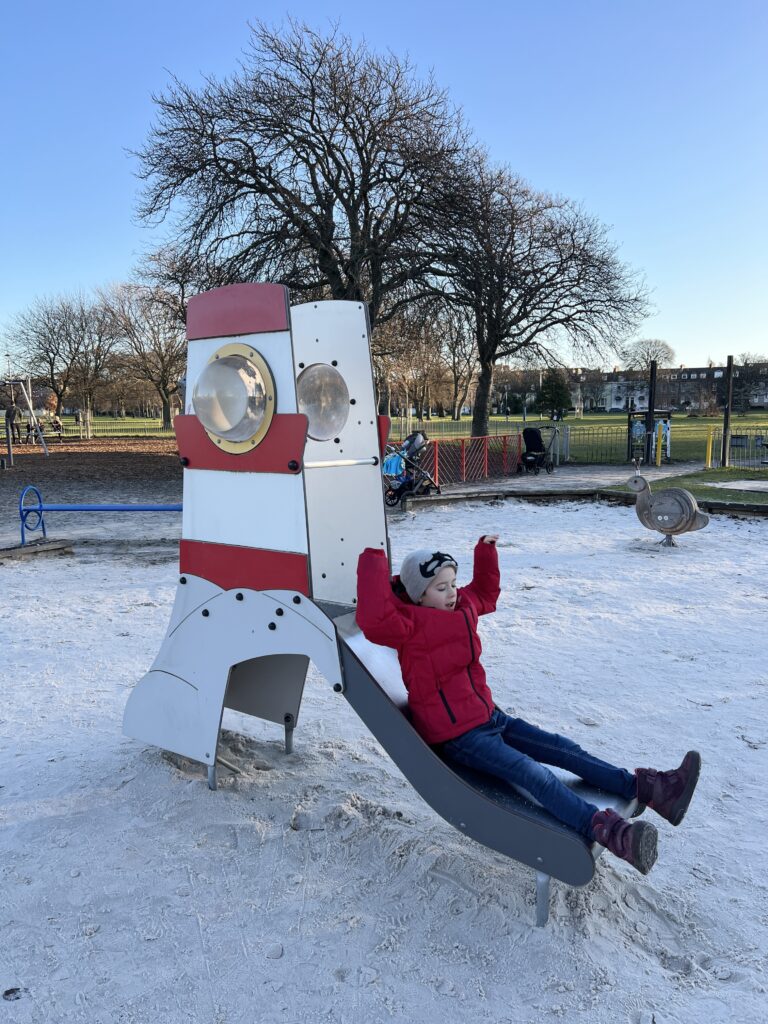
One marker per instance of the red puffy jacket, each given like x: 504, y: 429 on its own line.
x: 439, y: 650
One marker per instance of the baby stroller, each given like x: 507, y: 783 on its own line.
x: 536, y: 454
x: 403, y: 473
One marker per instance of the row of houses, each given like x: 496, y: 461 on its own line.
x: 686, y: 389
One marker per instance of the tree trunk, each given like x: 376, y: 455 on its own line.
x: 455, y: 402
x: 166, y: 412
x: 481, y: 410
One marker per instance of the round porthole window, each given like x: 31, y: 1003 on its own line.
x: 234, y: 398
x: 324, y: 399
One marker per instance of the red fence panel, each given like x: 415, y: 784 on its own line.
x: 468, y: 459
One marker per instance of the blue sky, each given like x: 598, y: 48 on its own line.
x: 652, y: 114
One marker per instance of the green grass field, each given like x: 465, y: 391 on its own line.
x: 700, y: 485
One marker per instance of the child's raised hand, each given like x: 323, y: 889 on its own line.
x: 490, y: 538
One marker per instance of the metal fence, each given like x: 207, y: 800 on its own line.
x: 469, y: 459
x: 464, y: 458
x: 127, y: 428
x: 402, y: 426
x: 748, y: 448
x: 595, y: 444
x: 585, y: 445
x: 573, y: 443
x: 106, y: 427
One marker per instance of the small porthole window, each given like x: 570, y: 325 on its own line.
x: 234, y: 398
x: 323, y: 397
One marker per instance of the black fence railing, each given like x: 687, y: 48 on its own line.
x: 748, y: 448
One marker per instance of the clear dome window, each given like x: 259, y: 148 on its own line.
x: 323, y: 397
x: 234, y: 396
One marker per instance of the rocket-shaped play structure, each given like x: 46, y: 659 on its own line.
x: 281, y: 446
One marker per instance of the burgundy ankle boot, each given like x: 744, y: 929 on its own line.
x: 634, y: 842
x: 669, y: 793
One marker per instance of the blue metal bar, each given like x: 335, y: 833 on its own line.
x: 31, y: 516
x: 112, y: 508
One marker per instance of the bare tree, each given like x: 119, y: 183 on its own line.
x: 125, y: 394
x: 311, y: 166
x: 174, y: 275
x: 534, y: 271
x: 638, y: 355
x: 459, y: 352
x: 48, y: 341
x: 95, y: 363
x: 154, y: 341
x: 409, y: 358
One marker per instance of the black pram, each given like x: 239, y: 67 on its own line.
x: 536, y: 454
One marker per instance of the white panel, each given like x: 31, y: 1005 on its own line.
x: 177, y: 705
x: 345, y: 508
x: 191, y: 597
x: 275, y: 347
x: 328, y: 331
x: 346, y: 515
x: 253, y: 510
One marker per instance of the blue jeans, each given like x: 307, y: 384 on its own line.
x: 516, y: 751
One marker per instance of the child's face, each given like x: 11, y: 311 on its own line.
x: 441, y: 592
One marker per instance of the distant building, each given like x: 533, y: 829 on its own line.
x: 681, y: 389
x: 684, y: 389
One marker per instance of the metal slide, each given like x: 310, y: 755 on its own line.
x: 485, y: 809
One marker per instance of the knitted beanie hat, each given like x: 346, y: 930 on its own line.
x: 420, y: 568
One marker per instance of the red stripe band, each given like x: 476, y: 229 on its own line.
x: 229, y: 566
x: 384, y: 424
x: 238, y: 309
x: 280, y: 451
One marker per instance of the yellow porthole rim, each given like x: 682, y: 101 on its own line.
x: 237, y: 348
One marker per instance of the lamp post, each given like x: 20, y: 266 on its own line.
x: 540, y: 394
x: 525, y: 404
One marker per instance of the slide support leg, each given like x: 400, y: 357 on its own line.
x: 290, y: 723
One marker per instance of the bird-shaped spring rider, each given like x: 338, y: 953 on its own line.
x: 672, y: 511
x: 281, y: 445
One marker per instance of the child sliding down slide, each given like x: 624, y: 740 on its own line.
x: 433, y: 627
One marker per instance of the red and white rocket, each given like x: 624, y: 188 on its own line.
x: 281, y: 444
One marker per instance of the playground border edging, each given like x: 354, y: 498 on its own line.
x: 574, y: 494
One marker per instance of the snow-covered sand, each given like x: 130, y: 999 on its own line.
x: 317, y: 887
x: 741, y: 485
